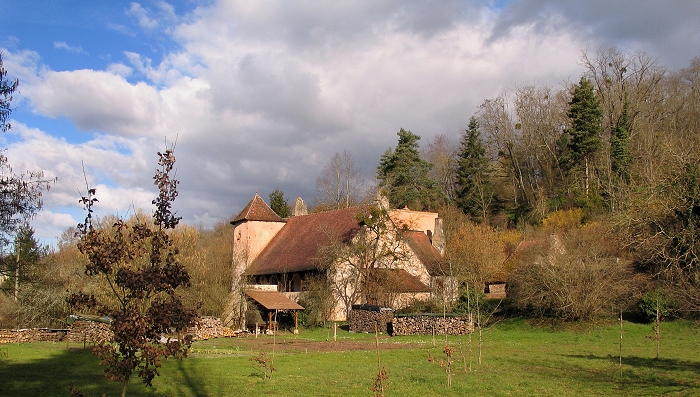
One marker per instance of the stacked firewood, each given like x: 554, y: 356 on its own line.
x: 431, y: 325
x: 206, y: 328
x: 89, y: 331
x: 364, y: 318
x: 30, y: 335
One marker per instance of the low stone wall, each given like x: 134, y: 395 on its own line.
x: 429, y: 325
x: 362, y: 318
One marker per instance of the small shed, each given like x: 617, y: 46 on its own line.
x: 273, y: 301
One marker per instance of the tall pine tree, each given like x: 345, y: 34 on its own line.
x: 584, y: 135
x: 474, y: 190
x: 403, y: 176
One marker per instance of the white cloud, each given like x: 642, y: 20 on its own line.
x: 97, y: 100
x: 62, y: 45
x: 49, y: 225
x: 262, y: 93
x: 141, y: 15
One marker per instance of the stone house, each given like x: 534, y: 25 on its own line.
x: 272, y: 251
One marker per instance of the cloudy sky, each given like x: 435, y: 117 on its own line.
x: 260, y: 94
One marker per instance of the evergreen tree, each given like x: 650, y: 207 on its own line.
x: 279, y: 204
x: 18, y: 266
x: 20, y: 194
x: 619, y: 145
x: 584, y: 134
x: 403, y: 176
x: 474, y: 189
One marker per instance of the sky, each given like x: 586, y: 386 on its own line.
x: 259, y: 95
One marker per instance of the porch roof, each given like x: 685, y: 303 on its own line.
x: 273, y: 300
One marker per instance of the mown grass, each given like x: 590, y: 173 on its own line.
x: 518, y: 359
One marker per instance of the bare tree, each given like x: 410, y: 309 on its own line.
x: 442, y: 153
x: 360, y: 271
x: 341, y: 184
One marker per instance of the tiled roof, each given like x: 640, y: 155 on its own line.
x: 257, y: 210
x: 296, y: 246
x: 402, y: 281
x: 273, y: 300
x: 427, y: 254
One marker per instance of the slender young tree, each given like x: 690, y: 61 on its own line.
x: 139, y: 263
x: 403, y: 176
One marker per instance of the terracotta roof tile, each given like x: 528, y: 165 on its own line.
x: 402, y: 281
x: 273, y: 300
x: 257, y: 210
x: 427, y: 254
x: 296, y: 246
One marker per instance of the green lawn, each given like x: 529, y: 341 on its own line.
x: 518, y: 359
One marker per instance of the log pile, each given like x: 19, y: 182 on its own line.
x: 429, y: 325
x: 206, y: 328
x: 89, y: 331
x: 362, y: 318
x: 31, y: 335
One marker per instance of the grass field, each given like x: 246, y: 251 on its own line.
x: 518, y: 360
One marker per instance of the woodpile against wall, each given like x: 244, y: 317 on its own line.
x: 95, y: 332
x: 429, y: 325
x: 211, y: 327
x: 362, y: 318
x: 89, y: 331
x: 30, y: 335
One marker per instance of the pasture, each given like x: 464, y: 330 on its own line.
x: 517, y: 359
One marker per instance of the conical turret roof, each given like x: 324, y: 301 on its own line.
x: 257, y: 210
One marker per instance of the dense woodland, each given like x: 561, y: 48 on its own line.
x: 609, y: 163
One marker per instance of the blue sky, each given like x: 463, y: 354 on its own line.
x: 261, y: 94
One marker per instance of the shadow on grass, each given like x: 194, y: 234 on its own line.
x: 650, y: 372
x: 665, y: 364
x: 54, y: 375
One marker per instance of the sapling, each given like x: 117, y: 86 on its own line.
x: 657, y: 327
x: 380, y: 379
x: 263, y: 361
x: 447, y: 363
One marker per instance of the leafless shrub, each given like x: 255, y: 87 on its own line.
x: 577, y: 278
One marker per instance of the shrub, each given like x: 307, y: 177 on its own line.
x: 578, y: 279
x: 658, y: 298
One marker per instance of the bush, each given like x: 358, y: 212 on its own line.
x: 579, y: 278
x: 658, y: 298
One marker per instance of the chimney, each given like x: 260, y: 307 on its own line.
x: 299, y: 207
x: 439, y: 237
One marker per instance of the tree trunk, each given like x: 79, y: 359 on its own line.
x: 16, y: 290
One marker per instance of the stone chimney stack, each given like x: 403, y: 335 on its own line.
x: 299, y: 207
x: 439, y: 237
